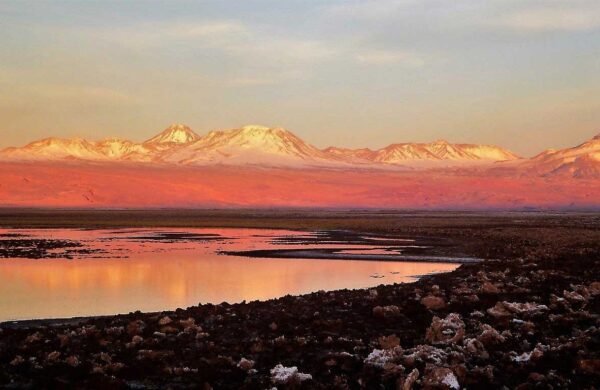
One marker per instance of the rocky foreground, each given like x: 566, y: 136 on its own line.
x: 530, y: 321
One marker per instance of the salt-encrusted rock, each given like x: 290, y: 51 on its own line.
x: 590, y: 366
x: 507, y: 309
x: 17, y: 361
x: 135, y: 327
x: 53, y: 357
x: 594, y: 288
x: 389, y: 342
x: 386, y: 311
x: 410, y: 380
x: 490, y: 336
x: 115, y: 330
x: 382, y: 357
x: 245, y: 364
x: 573, y: 296
x: 463, y: 289
x: 73, y: 361
x: 188, y: 322
x: 559, y: 303
x: 449, y: 330
x: 63, y: 339
x: 103, y: 356
x: 525, y: 357
x: 499, y: 311
x: 476, y: 348
x: 489, y: 288
x: 169, y: 329
x: 286, y: 375
x: 425, y: 353
x: 441, y: 378
x: 32, y: 338
x: 433, y: 302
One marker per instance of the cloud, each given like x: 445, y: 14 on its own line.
x: 210, y: 30
x: 81, y: 92
x: 56, y: 95
x: 388, y: 57
x: 251, y: 81
x: 227, y: 36
x: 151, y: 36
x: 563, y: 16
x: 369, y: 9
x: 521, y: 15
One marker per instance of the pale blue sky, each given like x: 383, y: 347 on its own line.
x: 521, y: 74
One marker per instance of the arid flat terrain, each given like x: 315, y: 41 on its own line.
x: 526, y: 318
x: 74, y: 184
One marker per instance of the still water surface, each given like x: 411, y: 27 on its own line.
x: 137, y: 271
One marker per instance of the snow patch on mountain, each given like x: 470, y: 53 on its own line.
x: 251, y: 144
x: 174, y: 134
x: 582, y: 161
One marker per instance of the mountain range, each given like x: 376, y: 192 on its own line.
x: 247, y: 145
x: 278, y: 147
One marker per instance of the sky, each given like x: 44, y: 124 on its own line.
x: 521, y: 74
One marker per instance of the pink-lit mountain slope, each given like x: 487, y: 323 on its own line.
x: 173, y: 136
x: 582, y: 161
x: 264, y: 146
x: 248, y: 145
x: 257, y: 145
x: 439, y: 151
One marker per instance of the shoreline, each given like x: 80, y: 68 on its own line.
x: 79, y: 320
x: 329, y: 254
x: 526, y: 320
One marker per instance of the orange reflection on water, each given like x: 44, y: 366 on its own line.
x: 177, y: 275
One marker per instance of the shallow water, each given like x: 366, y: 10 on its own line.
x: 144, y: 270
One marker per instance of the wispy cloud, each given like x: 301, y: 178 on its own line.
x: 389, y: 57
x: 251, y: 81
x: 552, y: 16
x: 522, y: 15
x: 228, y: 36
x: 61, y: 95
x: 553, y: 20
x: 154, y: 35
x: 369, y: 9
x: 82, y: 92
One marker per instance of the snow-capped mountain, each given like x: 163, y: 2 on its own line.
x: 122, y: 149
x: 441, y: 151
x: 55, y: 149
x: 360, y: 156
x: 111, y: 149
x: 114, y: 149
x: 260, y: 145
x: 248, y: 145
x: 176, y: 134
x: 580, y: 161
